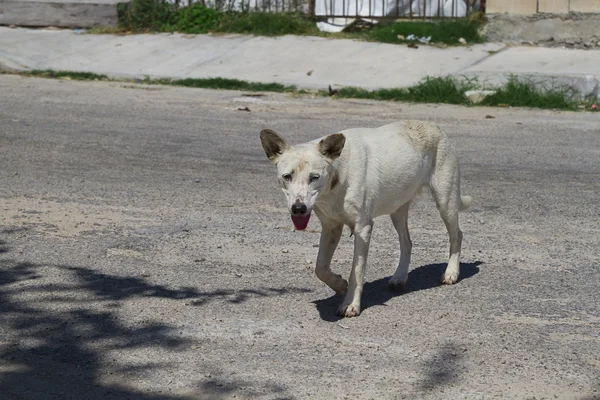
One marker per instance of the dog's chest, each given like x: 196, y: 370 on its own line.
x: 337, y: 210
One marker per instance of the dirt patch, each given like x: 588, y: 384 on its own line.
x: 61, y: 218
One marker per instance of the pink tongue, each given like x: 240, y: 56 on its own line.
x: 300, y: 223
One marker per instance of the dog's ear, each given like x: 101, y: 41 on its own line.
x: 273, y: 144
x: 332, y: 145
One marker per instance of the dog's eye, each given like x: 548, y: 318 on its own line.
x: 314, y: 177
x: 287, y: 177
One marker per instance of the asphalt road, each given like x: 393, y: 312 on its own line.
x: 146, y: 253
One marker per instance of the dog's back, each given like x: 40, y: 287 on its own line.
x: 422, y: 135
x: 395, y: 161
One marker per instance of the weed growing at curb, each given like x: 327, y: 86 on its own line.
x: 203, y: 83
x: 106, y: 30
x: 78, y: 76
x: 523, y: 94
x: 223, y: 84
x: 446, y: 90
x: 429, y: 90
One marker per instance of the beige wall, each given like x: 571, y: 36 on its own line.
x: 511, y: 6
x: 591, y: 6
x: 553, y: 6
x: 544, y: 6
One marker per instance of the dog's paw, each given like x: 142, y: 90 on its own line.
x: 349, y: 310
x: 397, y: 284
x: 449, y: 278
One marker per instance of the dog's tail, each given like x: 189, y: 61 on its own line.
x: 465, y: 202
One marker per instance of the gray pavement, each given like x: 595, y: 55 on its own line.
x: 146, y: 253
x: 308, y: 62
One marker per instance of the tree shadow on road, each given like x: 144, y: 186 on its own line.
x: 57, y: 336
x: 443, y: 367
x: 241, y: 295
x: 378, y: 293
x: 226, y: 388
x: 55, y: 354
x: 116, y: 288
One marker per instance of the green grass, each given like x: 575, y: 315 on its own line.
x: 196, y: 19
x: 514, y: 93
x: 158, y: 16
x: 442, y: 31
x: 146, y: 15
x: 267, y: 24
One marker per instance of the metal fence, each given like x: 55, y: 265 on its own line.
x: 370, y: 9
x: 294, y: 6
x: 380, y: 9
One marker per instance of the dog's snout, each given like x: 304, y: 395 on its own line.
x: 299, y: 209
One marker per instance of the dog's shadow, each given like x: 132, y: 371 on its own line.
x: 378, y: 292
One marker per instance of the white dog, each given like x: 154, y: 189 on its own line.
x: 349, y: 178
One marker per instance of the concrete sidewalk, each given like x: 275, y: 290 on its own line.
x: 307, y: 62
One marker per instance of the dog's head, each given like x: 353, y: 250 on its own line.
x: 304, y: 171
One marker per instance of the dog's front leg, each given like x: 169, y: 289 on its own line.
x: 362, y: 237
x: 330, y: 237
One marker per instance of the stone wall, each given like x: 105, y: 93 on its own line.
x: 572, y: 30
x: 60, y: 13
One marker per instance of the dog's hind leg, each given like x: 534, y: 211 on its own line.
x: 400, y: 221
x: 330, y: 237
x: 445, y: 187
